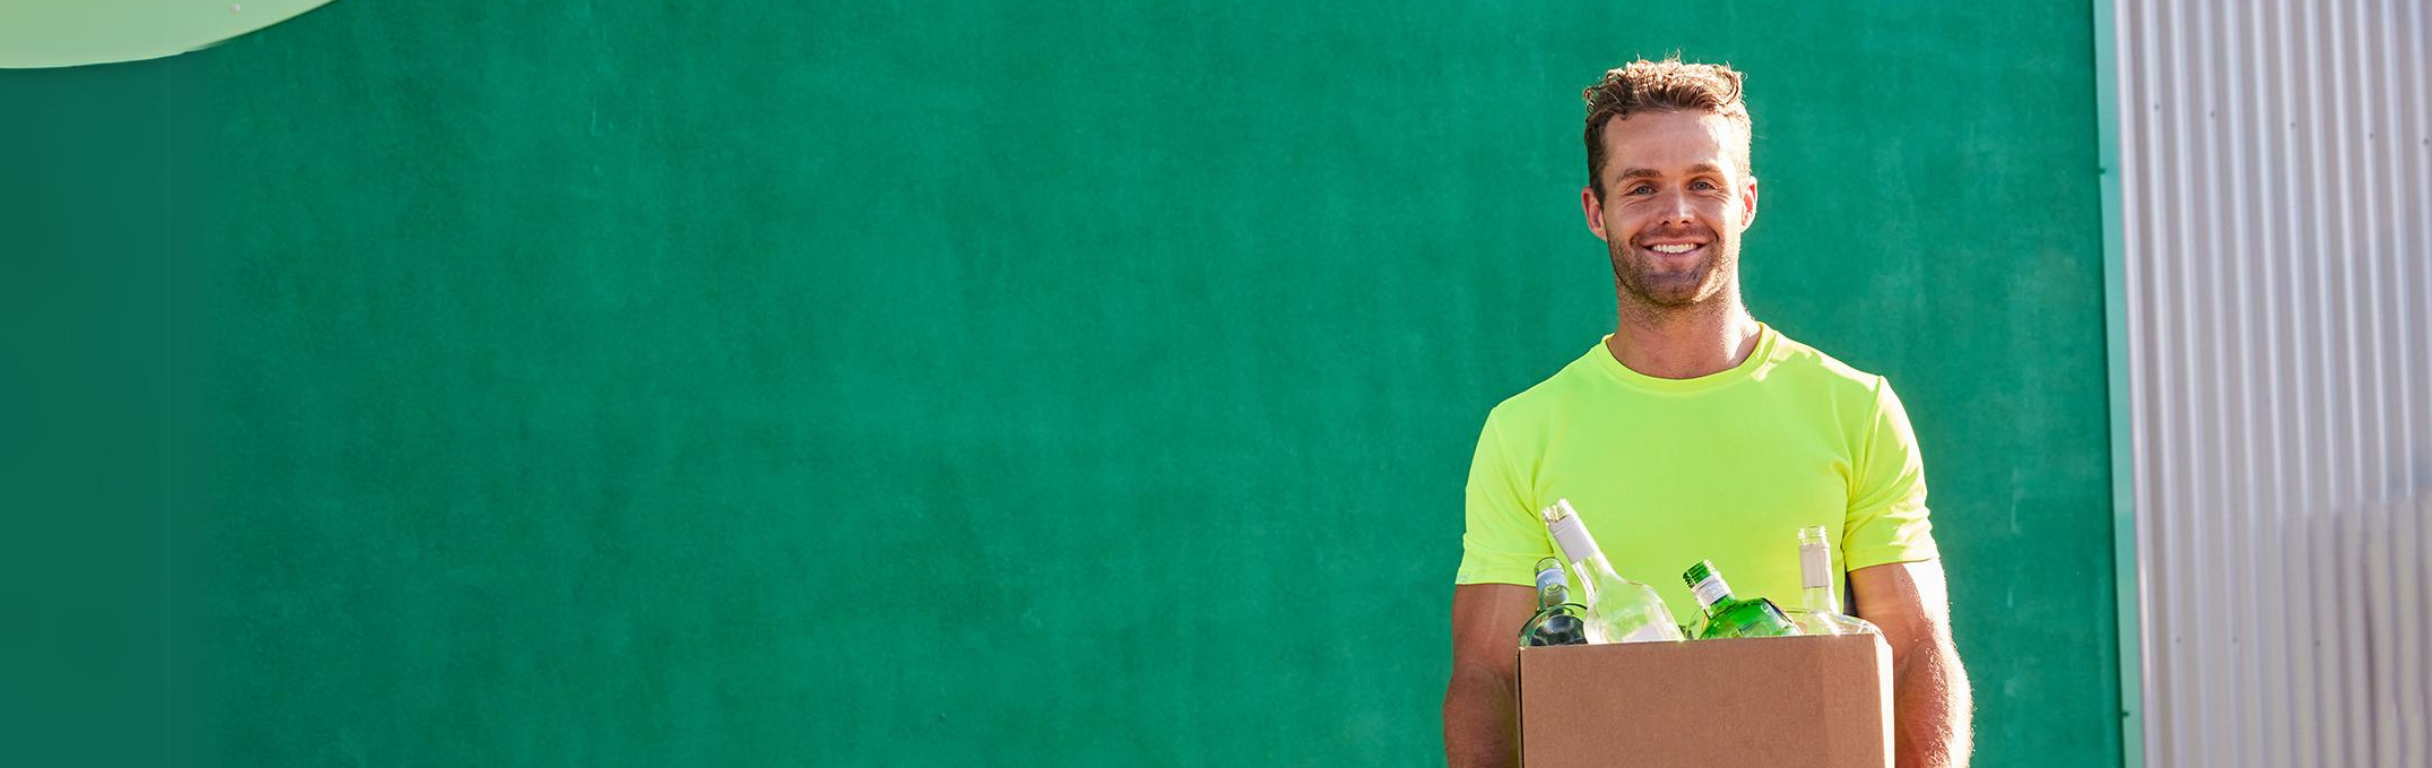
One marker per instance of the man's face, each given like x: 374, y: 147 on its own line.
x: 1675, y: 202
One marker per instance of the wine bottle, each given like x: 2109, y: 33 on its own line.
x: 1619, y: 610
x: 1820, y: 609
x: 1558, y: 621
x: 1727, y: 616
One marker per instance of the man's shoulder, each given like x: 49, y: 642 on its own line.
x: 1798, y: 364
x: 1552, y: 394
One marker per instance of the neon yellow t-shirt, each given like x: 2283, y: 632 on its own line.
x: 1727, y: 467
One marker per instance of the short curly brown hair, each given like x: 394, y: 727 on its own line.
x: 1663, y: 86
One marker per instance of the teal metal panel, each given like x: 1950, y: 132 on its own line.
x: 2117, y: 389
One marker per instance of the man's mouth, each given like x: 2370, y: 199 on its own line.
x: 1674, y: 248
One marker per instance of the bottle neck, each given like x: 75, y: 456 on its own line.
x: 1815, y: 576
x: 1550, y: 595
x: 1595, y: 571
x: 1549, y: 588
x: 1712, y: 592
x: 1580, y: 548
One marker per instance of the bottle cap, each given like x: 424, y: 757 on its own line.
x: 1557, y: 511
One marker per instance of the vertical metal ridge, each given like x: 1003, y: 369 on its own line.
x: 2345, y: 422
x: 2214, y: 637
x: 2356, y: 331
x: 2321, y: 489
x: 2416, y: 704
x: 2261, y: 744
x: 2373, y: 67
x: 2305, y: 744
x: 2242, y: 472
x: 2142, y: 112
x: 2273, y: 101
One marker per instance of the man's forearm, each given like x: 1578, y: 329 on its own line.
x: 1479, y: 721
x: 1932, y: 707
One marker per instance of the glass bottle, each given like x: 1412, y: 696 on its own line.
x: 1619, y: 610
x: 1558, y: 621
x: 1727, y: 616
x: 1820, y: 609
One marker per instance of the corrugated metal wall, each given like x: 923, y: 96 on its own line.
x: 2275, y: 162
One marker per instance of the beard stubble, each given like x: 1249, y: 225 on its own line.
x: 1636, y: 274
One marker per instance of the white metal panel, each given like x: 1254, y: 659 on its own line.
x: 2276, y: 213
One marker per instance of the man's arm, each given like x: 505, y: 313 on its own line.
x: 1931, y: 704
x: 1481, y: 725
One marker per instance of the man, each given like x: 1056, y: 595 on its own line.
x: 1695, y: 432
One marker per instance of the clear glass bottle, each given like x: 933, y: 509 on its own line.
x: 1558, y: 621
x: 1820, y: 609
x: 1727, y: 616
x: 1619, y: 610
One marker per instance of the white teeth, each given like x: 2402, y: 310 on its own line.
x: 1673, y: 248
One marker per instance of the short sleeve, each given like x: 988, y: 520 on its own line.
x: 1504, y: 539
x: 1887, y: 519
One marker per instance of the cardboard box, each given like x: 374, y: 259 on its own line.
x: 1776, y: 702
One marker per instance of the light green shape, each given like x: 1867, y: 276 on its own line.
x: 68, y: 33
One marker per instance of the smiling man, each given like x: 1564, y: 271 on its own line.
x: 1694, y: 432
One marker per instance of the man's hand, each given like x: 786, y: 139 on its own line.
x: 1481, y: 725
x: 1930, y: 698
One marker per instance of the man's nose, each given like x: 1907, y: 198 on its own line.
x: 1677, y: 210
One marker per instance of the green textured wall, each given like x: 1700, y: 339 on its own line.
x: 1089, y: 385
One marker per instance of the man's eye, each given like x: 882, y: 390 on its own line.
x: 1702, y: 184
x: 1642, y: 189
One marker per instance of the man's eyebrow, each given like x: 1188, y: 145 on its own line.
x: 1650, y: 173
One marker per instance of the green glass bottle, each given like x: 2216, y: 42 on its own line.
x: 1731, y: 617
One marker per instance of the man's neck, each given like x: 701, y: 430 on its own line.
x: 1683, y: 343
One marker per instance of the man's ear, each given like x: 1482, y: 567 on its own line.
x: 1748, y: 205
x: 1594, y: 208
